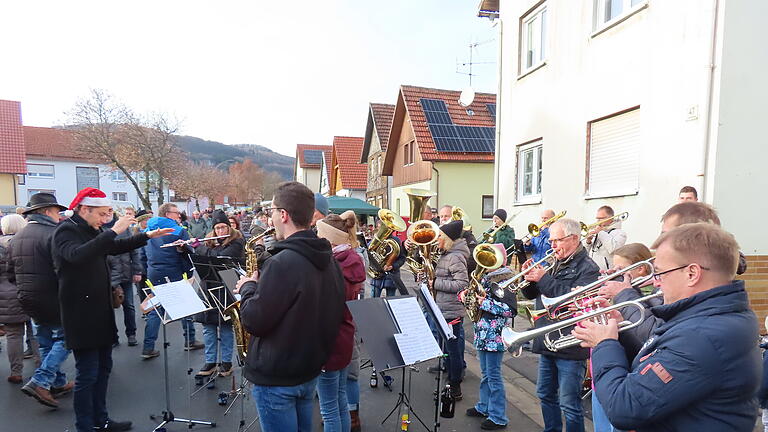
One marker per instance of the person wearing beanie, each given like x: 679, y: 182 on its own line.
x: 321, y: 208
x: 214, y: 329
x: 505, y: 235
x: 450, y: 278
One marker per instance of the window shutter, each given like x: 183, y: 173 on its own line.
x: 614, y: 155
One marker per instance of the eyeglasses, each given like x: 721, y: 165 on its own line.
x: 559, y: 240
x: 657, y: 275
x: 272, y: 209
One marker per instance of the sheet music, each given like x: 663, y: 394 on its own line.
x: 448, y: 330
x: 419, y: 343
x: 178, y: 299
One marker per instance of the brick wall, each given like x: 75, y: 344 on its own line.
x: 756, y: 278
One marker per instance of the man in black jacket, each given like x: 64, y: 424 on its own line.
x: 80, y: 248
x: 293, y: 307
x: 561, y: 373
x: 126, y: 270
x: 38, y: 288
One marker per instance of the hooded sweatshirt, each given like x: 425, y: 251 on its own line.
x: 293, y: 312
x: 354, y: 275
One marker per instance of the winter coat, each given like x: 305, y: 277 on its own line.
x: 36, y: 279
x: 354, y: 275
x: 505, y: 236
x: 10, y: 307
x: 604, y: 243
x: 293, y: 312
x: 124, y: 266
x: 633, y: 339
x: 85, y: 291
x: 762, y: 394
x: 450, y: 278
x: 494, y: 313
x: 166, y: 262
x: 539, y: 245
x: 198, y: 227
x: 576, y: 270
x: 700, y: 370
x: 232, y: 246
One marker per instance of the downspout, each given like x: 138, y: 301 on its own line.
x: 497, y: 161
x: 437, y: 186
x: 710, y: 95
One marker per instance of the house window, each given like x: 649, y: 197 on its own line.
x: 613, y: 154
x: 607, y: 12
x: 408, y: 158
x: 31, y: 192
x: 118, y: 176
x: 119, y: 196
x: 529, y: 171
x: 40, y: 170
x: 487, y: 206
x: 533, y: 41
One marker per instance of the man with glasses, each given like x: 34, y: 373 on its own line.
x: 539, y: 245
x: 561, y: 373
x: 701, y: 368
x: 605, y: 238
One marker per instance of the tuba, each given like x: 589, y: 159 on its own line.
x: 488, y: 257
x: 233, y: 311
x: 382, y: 249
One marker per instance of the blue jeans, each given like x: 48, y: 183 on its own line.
x: 151, y: 329
x: 189, y: 330
x: 53, y: 352
x: 129, y: 310
x: 353, y: 394
x: 563, y: 378
x: 599, y: 418
x: 454, y: 363
x: 211, y: 335
x: 332, y: 392
x: 285, y: 408
x: 493, y: 400
x: 90, y: 402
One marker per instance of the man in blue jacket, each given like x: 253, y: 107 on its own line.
x: 539, y: 245
x: 700, y: 369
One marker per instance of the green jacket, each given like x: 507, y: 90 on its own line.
x: 505, y: 236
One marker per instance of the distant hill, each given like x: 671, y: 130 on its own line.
x: 215, y: 152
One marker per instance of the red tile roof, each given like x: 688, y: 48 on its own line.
x: 328, y: 156
x: 346, y: 153
x: 382, y: 119
x: 12, y: 159
x: 300, y: 153
x: 51, y: 143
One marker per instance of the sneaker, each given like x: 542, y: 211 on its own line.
x: 148, y: 354
x: 132, y: 340
x: 473, y: 412
x: 194, y: 345
x: 207, y: 369
x: 28, y: 354
x: 42, y: 395
x: 487, y: 424
x: 225, y: 369
x: 63, y: 390
x: 115, y: 426
x: 15, y: 379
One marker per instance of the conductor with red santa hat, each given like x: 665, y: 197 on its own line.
x: 80, y: 249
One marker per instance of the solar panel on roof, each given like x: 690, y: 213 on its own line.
x: 313, y: 156
x: 449, y: 137
x: 492, y: 109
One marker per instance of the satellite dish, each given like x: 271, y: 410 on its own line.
x: 466, y: 97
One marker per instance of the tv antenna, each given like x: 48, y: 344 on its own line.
x: 468, y: 94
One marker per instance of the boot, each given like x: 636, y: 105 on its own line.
x: 456, y: 391
x: 355, y: 417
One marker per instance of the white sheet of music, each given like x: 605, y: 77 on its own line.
x: 415, y: 341
x: 178, y: 299
x: 448, y: 330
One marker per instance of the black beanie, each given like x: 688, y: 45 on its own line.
x: 501, y: 213
x: 219, y: 217
x: 453, y: 229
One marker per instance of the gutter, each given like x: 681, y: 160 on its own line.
x: 437, y: 186
x: 710, y: 95
x: 499, y: 105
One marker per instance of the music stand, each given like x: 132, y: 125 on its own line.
x: 396, y: 336
x: 177, y: 292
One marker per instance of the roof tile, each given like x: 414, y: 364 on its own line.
x: 382, y: 118
x: 354, y: 175
x: 12, y: 158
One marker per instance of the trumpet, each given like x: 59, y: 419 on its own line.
x: 558, y: 308
x: 517, y: 286
x: 586, y: 229
x: 535, y: 230
x: 513, y: 341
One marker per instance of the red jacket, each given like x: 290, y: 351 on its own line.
x: 353, y: 269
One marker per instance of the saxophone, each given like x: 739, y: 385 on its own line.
x: 242, y: 338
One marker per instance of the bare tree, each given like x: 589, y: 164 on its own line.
x: 196, y: 181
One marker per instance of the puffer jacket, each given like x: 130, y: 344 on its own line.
x: 122, y: 267
x: 10, y: 308
x: 450, y: 278
x: 232, y: 246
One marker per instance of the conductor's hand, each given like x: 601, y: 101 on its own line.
x: 243, y: 279
x: 123, y: 223
x: 158, y: 232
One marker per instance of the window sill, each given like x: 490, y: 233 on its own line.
x: 527, y: 201
x: 618, y: 21
x: 531, y: 70
x: 611, y: 195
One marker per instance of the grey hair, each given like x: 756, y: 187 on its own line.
x: 12, y: 223
x: 569, y: 226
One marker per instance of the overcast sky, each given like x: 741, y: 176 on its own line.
x: 264, y: 72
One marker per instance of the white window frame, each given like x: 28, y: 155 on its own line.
x: 623, y: 170
x: 39, y: 175
x: 536, y: 148
x: 539, y: 18
x: 116, y: 196
x: 599, y: 23
x: 117, y: 176
x: 33, y: 191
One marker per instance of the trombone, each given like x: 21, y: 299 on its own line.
x: 535, y: 230
x: 586, y: 229
x: 513, y: 341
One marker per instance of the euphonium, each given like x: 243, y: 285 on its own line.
x: 233, y: 311
x: 384, y: 250
x: 488, y: 257
x: 423, y: 235
x: 457, y: 213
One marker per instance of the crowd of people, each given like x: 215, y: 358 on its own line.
x: 692, y: 363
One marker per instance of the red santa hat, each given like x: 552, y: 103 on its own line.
x: 90, y: 197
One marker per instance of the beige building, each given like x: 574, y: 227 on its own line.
x: 308, y: 164
x: 374, y: 148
